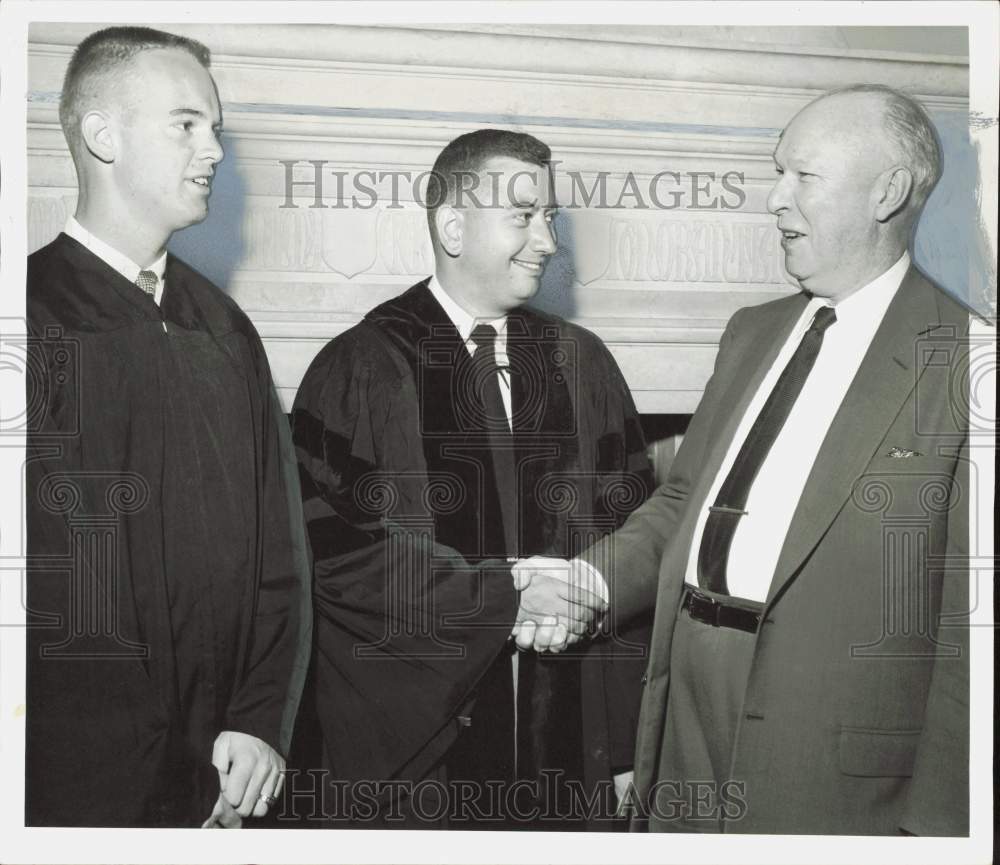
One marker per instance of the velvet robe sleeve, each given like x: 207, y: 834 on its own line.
x: 405, y: 627
x: 277, y: 654
x: 277, y: 626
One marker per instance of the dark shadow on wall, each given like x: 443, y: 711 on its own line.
x: 949, y: 241
x: 215, y: 247
x: 557, y: 293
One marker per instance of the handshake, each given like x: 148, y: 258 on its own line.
x: 560, y: 601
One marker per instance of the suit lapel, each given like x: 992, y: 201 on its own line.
x: 885, y: 379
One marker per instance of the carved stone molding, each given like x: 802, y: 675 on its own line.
x: 656, y: 270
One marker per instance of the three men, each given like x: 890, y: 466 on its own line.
x: 807, y: 553
x: 820, y: 481
x: 163, y: 592
x: 450, y: 431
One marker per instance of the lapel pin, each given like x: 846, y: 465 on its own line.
x: 898, y: 453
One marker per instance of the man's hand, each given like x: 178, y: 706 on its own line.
x: 250, y: 774
x: 624, y: 792
x: 223, y: 816
x: 559, y: 601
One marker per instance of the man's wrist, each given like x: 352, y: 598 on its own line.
x: 592, y: 579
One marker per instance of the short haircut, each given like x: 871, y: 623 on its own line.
x: 100, y: 58
x: 910, y: 131
x: 469, y: 153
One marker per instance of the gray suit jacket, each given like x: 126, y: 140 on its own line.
x: 855, y: 715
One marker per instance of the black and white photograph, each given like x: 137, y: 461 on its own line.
x: 573, y: 422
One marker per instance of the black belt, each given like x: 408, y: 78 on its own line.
x: 702, y: 608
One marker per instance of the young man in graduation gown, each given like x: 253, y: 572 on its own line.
x: 449, y: 430
x: 163, y: 592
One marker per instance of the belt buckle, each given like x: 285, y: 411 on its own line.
x: 711, y: 611
x: 709, y: 608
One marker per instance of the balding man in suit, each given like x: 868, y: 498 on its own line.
x: 809, y: 663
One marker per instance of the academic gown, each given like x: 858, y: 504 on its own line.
x: 405, y: 513
x: 164, y: 595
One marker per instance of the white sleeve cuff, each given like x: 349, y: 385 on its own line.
x: 591, y: 578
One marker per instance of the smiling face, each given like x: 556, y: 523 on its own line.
x: 505, y: 242
x: 166, y: 141
x: 826, y: 195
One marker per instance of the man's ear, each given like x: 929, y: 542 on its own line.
x: 893, y: 188
x: 96, y: 130
x: 449, y: 223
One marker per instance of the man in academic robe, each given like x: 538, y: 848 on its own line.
x: 808, y: 553
x: 163, y: 588
x: 450, y: 430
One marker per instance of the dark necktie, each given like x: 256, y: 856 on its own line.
x: 724, y: 515
x: 486, y: 380
x: 486, y: 383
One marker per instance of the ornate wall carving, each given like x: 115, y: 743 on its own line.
x: 680, y: 126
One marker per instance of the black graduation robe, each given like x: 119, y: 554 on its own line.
x: 165, y: 575
x: 413, y: 598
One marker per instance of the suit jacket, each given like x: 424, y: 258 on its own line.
x: 855, y: 714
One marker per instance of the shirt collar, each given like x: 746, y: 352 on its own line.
x: 869, y: 303
x: 111, y: 256
x: 463, y: 321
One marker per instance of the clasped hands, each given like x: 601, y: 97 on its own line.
x: 560, y: 601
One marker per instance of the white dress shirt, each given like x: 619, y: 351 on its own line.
x: 466, y: 323
x: 776, y: 490
x: 115, y: 259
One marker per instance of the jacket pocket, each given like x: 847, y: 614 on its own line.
x: 878, y: 753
